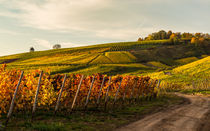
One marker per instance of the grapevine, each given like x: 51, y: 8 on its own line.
x: 131, y: 86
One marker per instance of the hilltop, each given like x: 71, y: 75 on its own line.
x: 112, y: 58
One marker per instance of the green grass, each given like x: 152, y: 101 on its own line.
x: 86, y: 49
x: 120, y: 57
x: 185, y: 77
x: 184, y: 61
x: 101, y: 59
x: 197, y: 91
x: 91, y: 120
x: 72, y: 59
x: 157, y: 54
x: 157, y: 64
x: 110, y: 69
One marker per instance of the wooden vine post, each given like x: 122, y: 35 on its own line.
x: 89, y: 92
x: 146, y: 85
x: 99, y: 94
x: 13, y: 99
x: 37, y: 93
x: 132, y: 92
x: 75, y: 97
x: 138, y: 92
x: 126, y: 88
x: 107, y: 92
x: 60, y: 94
x: 158, y: 86
x: 115, y: 98
x: 150, y: 93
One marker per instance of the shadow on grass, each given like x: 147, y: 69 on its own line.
x: 93, y: 119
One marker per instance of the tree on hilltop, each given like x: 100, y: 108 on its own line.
x: 32, y: 49
x: 57, y: 46
x: 174, y: 38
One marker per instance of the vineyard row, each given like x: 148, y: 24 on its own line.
x: 38, y: 90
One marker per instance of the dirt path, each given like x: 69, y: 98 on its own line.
x: 194, y: 116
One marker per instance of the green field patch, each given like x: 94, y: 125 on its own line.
x: 194, y: 72
x: 157, y: 64
x: 101, y: 59
x: 197, y: 68
x: 113, y: 69
x: 120, y: 57
x: 187, y: 60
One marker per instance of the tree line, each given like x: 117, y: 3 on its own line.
x: 176, y: 37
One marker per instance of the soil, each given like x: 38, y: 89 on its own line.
x: 194, y: 116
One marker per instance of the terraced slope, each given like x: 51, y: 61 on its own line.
x: 192, y: 72
x: 154, y: 55
x: 200, y: 68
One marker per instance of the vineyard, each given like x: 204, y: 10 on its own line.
x: 69, y: 93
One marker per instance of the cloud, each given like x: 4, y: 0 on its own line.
x: 48, y: 45
x: 43, y: 43
x: 9, y: 32
x: 56, y: 15
x: 107, y: 19
x: 69, y: 44
x: 100, y: 18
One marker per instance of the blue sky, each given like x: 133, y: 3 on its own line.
x: 43, y: 23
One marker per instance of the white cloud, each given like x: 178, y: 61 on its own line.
x: 100, y: 18
x: 69, y: 45
x: 43, y: 43
x: 109, y: 19
x: 48, y: 45
x: 9, y: 32
x: 56, y: 15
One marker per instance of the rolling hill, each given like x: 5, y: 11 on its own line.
x: 194, y: 72
x: 112, y: 58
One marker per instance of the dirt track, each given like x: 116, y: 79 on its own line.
x: 194, y: 116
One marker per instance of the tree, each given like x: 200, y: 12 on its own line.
x: 162, y: 34
x: 140, y: 39
x: 57, y: 46
x: 178, y: 34
x: 150, y: 37
x: 169, y: 34
x: 159, y: 35
x: 198, y: 35
x: 174, y: 38
x: 207, y: 36
x: 194, y: 41
x: 32, y: 49
x: 186, y: 35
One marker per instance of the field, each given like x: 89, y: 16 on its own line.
x: 111, y: 58
x: 91, y: 120
x: 142, y: 72
x: 192, y: 76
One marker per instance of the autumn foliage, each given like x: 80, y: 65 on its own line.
x: 131, y: 87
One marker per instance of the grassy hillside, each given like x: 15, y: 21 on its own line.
x: 187, y: 74
x: 112, y: 58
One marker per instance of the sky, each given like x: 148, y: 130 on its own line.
x: 71, y: 23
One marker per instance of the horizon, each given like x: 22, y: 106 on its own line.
x: 41, y: 24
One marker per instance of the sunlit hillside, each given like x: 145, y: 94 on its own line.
x: 135, y: 58
x: 187, y: 74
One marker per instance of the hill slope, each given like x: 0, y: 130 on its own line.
x: 192, y: 72
x: 111, y: 58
